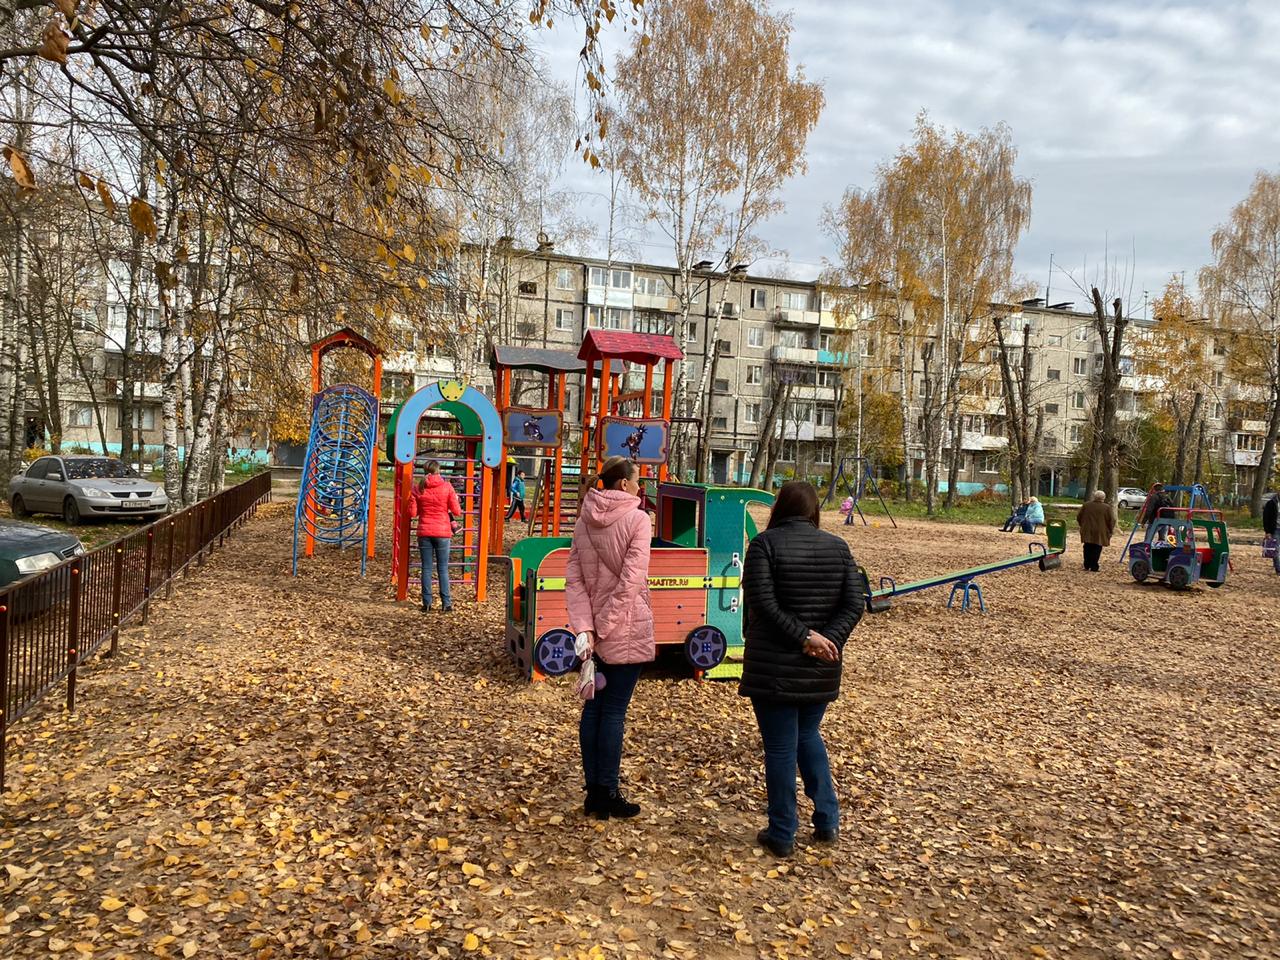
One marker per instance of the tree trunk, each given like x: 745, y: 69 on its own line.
x: 904, y: 403
x: 1262, y: 478
x: 765, y: 440
x: 1186, y: 424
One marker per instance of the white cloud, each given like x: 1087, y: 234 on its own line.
x: 1139, y: 121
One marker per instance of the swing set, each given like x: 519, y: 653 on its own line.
x: 852, y: 477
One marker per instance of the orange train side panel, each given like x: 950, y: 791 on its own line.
x: 676, y: 611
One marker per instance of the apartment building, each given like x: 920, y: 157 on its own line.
x: 767, y: 331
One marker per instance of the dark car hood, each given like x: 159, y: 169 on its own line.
x: 14, y: 533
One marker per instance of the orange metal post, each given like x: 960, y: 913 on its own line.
x: 373, y: 467
x: 487, y: 479
x: 603, y: 412
x: 558, y: 474
x: 648, y: 390
x: 404, y: 487
x: 588, y: 383
x: 666, y: 411
x: 501, y: 390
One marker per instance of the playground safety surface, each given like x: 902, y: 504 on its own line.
x: 283, y: 767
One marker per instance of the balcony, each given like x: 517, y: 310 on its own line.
x: 1244, y: 458
x: 799, y: 355
x: 142, y: 390
x: 144, y: 341
x: 795, y: 318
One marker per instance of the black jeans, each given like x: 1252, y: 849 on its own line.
x: 517, y: 503
x: 1092, y: 554
x: 603, y: 723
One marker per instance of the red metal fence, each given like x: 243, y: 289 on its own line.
x: 52, y: 623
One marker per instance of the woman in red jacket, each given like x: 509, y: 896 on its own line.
x: 435, y: 504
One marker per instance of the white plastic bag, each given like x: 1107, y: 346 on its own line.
x: 588, y: 680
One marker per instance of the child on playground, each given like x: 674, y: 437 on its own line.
x: 517, y: 495
x: 435, y: 504
x: 607, y: 590
x: 846, y: 508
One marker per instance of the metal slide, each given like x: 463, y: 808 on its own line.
x: 333, y: 496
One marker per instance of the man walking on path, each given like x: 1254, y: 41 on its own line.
x: 1097, y: 523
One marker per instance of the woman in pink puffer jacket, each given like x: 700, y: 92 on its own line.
x: 607, y: 587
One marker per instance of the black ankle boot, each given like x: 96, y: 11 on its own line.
x: 616, y: 805
x: 593, y: 802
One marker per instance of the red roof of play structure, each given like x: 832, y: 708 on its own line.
x: 633, y: 347
x: 346, y: 337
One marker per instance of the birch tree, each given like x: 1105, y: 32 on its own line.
x: 1243, y: 284
x: 716, y: 119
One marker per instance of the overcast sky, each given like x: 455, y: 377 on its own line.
x: 1140, y: 124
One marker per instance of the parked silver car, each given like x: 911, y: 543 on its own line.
x: 80, y: 487
x: 1130, y: 498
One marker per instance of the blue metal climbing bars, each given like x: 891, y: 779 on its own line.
x: 337, y: 475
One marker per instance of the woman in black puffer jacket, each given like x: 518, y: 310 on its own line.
x: 804, y: 595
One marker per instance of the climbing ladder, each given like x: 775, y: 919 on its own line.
x: 461, y: 468
x: 337, y: 474
x: 543, y: 507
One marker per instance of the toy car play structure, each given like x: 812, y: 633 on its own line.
x: 1182, y: 545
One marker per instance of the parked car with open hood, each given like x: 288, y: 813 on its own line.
x: 79, y: 487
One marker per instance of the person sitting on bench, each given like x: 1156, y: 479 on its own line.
x: 1015, y: 518
x: 1034, y: 516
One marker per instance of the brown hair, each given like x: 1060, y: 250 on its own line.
x: 796, y: 498
x: 433, y: 466
x: 614, y: 471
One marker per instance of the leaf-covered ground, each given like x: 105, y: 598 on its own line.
x: 283, y: 767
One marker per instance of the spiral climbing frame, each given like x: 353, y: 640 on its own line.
x: 336, y: 489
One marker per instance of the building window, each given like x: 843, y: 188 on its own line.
x: 751, y: 413
x: 564, y: 278
x: 1077, y: 400
x: 1219, y: 348
x: 759, y: 298
x: 1218, y: 410
x: 144, y: 418
x: 788, y: 452
x: 528, y: 286
x: 822, y: 454
x: 990, y: 463
x: 1218, y: 378
x: 1054, y: 374
x: 826, y: 416
x: 719, y: 423
x: 721, y: 385
x: 1215, y: 443
x: 599, y: 277
x: 613, y: 318
x: 1082, y: 334
x: 691, y: 331
x: 755, y: 375
x: 796, y: 339
x: 564, y: 319
x: 1077, y: 433
x: 824, y: 341
x: 827, y: 378
x: 81, y: 415
x: 620, y: 279
x: 800, y: 412
x: 755, y: 336
x: 1080, y: 366
x: 649, y: 321
x: 1050, y: 408
x: 1249, y: 441
x: 653, y: 286
x: 1054, y: 340
x: 793, y: 300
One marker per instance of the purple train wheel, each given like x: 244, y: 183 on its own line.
x: 553, y: 653
x: 705, y: 647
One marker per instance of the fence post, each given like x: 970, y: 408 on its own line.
x: 117, y: 587
x: 4, y: 685
x: 73, y: 633
x: 146, y: 572
x: 168, y: 577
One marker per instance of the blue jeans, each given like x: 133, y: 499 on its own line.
x: 435, y: 553
x: 791, y: 737
x: 603, y: 720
